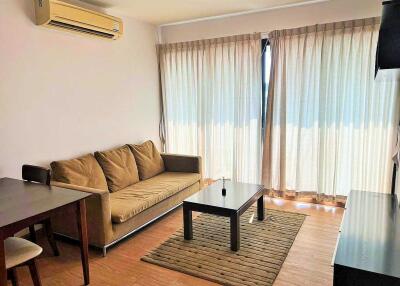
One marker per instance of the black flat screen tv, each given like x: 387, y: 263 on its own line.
x: 388, y: 51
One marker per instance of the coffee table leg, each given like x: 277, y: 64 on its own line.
x: 261, y: 208
x: 187, y: 223
x: 235, y: 232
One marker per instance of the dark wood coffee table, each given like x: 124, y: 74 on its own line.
x: 239, y: 197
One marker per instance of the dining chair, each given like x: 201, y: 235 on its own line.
x: 21, y: 252
x: 42, y: 176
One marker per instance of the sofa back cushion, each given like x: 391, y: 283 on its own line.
x: 119, y: 167
x: 148, y: 160
x: 83, y: 171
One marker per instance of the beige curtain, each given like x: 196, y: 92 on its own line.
x: 212, y: 104
x: 330, y: 125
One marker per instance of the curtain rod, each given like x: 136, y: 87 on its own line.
x: 356, y: 22
x: 264, y: 35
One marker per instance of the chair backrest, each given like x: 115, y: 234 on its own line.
x: 36, y: 174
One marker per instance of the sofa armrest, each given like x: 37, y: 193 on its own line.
x: 182, y: 163
x: 79, y: 188
x: 98, y: 211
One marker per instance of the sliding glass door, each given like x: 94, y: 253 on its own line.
x: 332, y: 126
x: 212, y: 101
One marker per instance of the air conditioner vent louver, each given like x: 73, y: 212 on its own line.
x: 80, y: 29
x: 63, y: 16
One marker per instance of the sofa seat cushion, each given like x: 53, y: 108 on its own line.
x: 136, y: 198
x: 83, y: 171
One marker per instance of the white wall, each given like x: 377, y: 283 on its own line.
x: 63, y: 95
x: 324, y: 12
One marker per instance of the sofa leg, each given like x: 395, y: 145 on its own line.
x: 104, y: 251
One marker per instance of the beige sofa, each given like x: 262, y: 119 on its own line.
x: 131, y: 185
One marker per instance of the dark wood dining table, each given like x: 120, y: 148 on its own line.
x: 23, y: 204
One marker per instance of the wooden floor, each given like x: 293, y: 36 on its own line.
x: 308, y: 262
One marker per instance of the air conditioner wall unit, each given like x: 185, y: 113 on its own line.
x: 63, y: 16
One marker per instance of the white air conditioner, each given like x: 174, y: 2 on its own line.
x: 63, y: 16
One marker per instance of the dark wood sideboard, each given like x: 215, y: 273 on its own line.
x: 368, y: 245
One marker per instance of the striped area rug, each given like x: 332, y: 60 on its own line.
x: 263, y: 249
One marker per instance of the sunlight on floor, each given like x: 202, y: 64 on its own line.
x: 278, y: 202
x: 326, y: 208
x: 302, y: 205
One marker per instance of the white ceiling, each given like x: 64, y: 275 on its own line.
x: 161, y: 12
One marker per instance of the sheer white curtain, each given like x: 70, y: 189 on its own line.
x: 212, y: 104
x: 330, y: 125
